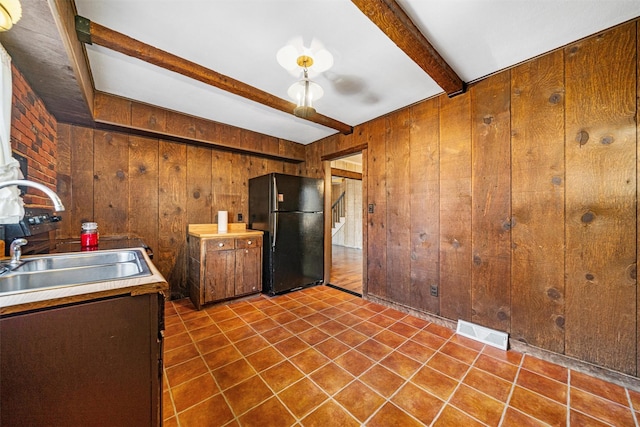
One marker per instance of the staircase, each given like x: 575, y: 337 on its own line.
x: 338, y: 225
x: 338, y: 214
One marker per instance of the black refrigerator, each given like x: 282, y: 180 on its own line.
x: 289, y: 210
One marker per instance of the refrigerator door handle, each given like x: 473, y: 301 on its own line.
x: 275, y: 233
x: 275, y: 208
x: 275, y: 194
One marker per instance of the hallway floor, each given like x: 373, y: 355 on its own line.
x: 322, y: 357
x: 346, y: 268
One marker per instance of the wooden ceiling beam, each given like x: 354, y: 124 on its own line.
x: 93, y: 33
x: 396, y: 24
x: 343, y: 173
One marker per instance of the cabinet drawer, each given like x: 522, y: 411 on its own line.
x: 249, y: 242
x: 219, y: 244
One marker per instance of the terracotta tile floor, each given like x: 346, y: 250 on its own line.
x: 322, y: 357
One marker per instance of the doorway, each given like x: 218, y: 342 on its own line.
x: 346, y: 195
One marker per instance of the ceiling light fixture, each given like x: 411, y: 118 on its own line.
x: 305, y: 91
x: 313, y: 61
x: 10, y: 13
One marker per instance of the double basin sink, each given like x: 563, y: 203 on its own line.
x: 47, y: 271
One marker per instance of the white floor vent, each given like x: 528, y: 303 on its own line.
x: 484, y: 335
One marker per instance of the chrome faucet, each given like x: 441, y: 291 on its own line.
x: 57, y: 203
x: 15, y: 250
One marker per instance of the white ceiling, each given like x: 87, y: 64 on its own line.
x: 370, y: 76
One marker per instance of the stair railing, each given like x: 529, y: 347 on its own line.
x: 338, y: 209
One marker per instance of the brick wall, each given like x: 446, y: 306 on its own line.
x: 34, y: 136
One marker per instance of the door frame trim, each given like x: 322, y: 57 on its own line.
x: 326, y: 166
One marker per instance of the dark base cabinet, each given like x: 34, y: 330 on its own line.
x: 97, y: 363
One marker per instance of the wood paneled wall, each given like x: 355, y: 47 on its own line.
x: 517, y: 200
x: 151, y: 188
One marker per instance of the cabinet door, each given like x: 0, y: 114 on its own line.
x: 248, y: 265
x: 248, y: 271
x: 89, y: 364
x: 218, y: 278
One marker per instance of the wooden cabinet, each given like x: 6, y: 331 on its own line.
x: 224, y: 267
x: 90, y: 363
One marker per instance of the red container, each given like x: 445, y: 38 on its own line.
x: 89, y: 236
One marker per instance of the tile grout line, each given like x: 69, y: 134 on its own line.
x: 448, y: 400
x: 176, y: 412
x: 507, y: 403
x: 166, y: 378
x: 633, y: 411
x: 568, y: 397
x: 209, y: 371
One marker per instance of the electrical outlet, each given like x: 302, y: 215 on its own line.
x: 433, y: 290
x: 239, y: 217
x: 371, y: 206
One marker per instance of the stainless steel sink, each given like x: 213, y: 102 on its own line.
x: 41, y: 272
x: 83, y: 259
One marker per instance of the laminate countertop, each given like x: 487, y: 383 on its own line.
x: 206, y: 231
x: 31, y: 299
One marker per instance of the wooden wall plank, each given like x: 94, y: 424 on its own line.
x: 241, y: 179
x: 181, y: 125
x: 143, y: 190
x: 63, y: 179
x: 226, y: 196
x: 63, y: 144
x: 172, y: 222
x: 291, y: 149
x: 455, y: 207
x: 374, y: 134
x: 199, y: 191
x: 111, y: 109
x: 537, y: 202
x: 313, y: 164
x: 398, y: 280
x: 601, y: 199
x: 206, y: 130
x: 148, y: 117
x: 239, y: 187
x: 234, y: 138
x: 111, y: 183
x: 82, y: 173
x: 424, y: 193
x: 292, y: 168
x: 491, y: 214
x: 637, y: 194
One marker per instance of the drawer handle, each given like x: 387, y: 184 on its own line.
x: 220, y: 244
x: 249, y: 242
